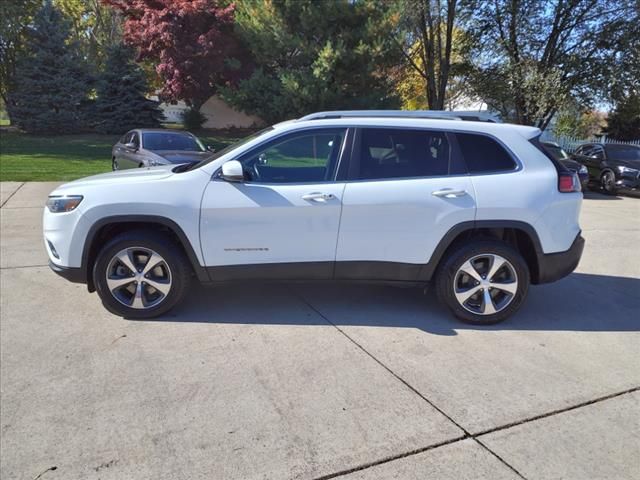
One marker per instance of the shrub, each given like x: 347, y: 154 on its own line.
x: 193, y: 119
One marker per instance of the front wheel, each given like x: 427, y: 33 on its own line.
x: 483, y: 282
x: 141, y: 275
x: 114, y: 164
x: 608, y: 182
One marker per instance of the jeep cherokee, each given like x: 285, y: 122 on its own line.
x: 479, y: 209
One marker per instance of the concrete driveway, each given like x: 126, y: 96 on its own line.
x: 303, y: 381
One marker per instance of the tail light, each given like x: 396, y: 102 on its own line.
x: 568, y: 182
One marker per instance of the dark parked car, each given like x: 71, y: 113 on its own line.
x: 148, y: 148
x: 563, y: 157
x: 612, y: 167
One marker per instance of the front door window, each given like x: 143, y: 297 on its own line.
x: 303, y: 157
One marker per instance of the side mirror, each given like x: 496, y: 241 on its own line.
x: 131, y: 146
x: 232, y: 171
x: 210, y: 148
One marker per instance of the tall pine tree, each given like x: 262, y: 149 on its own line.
x: 50, y: 92
x: 121, y: 104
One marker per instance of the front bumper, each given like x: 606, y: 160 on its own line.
x: 73, y: 274
x: 554, y: 266
x: 629, y: 185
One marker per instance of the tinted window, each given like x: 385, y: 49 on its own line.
x: 557, y: 152
x: 623, y: 152
x: 586, y: 150
x: 598, y: 152
x: 309, y: 156
x: 171, y: 141
x: 135, y: 139
x: 484, y: 154
x: 395, y: 153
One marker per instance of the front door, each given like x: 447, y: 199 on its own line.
x: 407, y: 188
x: 282, y: 221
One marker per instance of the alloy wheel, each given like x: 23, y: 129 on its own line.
x: 485, y: 284
x: 138, y: 277
x: 608, y: 181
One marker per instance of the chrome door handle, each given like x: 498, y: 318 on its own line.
x: 318, y: 196
x: 449, y: 193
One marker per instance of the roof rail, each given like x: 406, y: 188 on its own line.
x: 381, y: 113
x: 481, y: 116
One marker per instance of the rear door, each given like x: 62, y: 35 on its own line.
x: 133, y: 157
x: 586, y: 154
x: 120, y: 151
x: 406, y: 188
x: 129, y: 157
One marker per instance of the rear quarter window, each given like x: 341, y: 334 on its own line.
x: 484, y: 154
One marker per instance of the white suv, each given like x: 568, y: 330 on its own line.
x: 478, y: 208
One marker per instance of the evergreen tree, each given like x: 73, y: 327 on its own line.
x: 51, y: 84
x: 624, y: 121
x: 311, y: 55
x: 121, y: 104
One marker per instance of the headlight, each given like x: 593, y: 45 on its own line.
x: 583, y: 170
x: 67, y: 203
x: 627, y: 170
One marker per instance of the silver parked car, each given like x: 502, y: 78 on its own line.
x: 151, y: 147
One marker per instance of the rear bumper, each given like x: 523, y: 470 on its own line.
x: 554, y: 266
x: 75, y: 275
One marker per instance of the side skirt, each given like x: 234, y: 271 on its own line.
x: 369, y: 272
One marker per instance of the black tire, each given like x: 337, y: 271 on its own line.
x: 608, y: 182
x: 446, y: 276
x: 172, y: 253
x: 114, y: 164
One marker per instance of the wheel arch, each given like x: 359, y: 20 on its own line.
x: 104, y: 229
x: 520, y: 235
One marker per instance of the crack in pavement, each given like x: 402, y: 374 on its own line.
x: 467, y: 434
x: 10, y: 196
x: 24, y: 266
x: 19, y: 208
x: 558, y: 411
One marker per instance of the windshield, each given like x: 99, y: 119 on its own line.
x: 227, y: 149
x: 623, y: 152
x: 171, y: 141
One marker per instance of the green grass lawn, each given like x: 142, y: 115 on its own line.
x: 66, y: 157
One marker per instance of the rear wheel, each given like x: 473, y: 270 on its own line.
x: 483, y: 282
x: 141, y: 275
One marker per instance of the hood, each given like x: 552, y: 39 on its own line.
x: 182, y: 156
x: 628, y: 163
x: 133, y: 175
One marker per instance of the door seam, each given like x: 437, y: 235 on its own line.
x: 335, y: 252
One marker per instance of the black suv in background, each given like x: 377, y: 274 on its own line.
x: 613, y: 167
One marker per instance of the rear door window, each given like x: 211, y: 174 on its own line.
x: 585, y: 150
x: 598, y: 152
x: 483, y: 154
x: 398, y: 153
